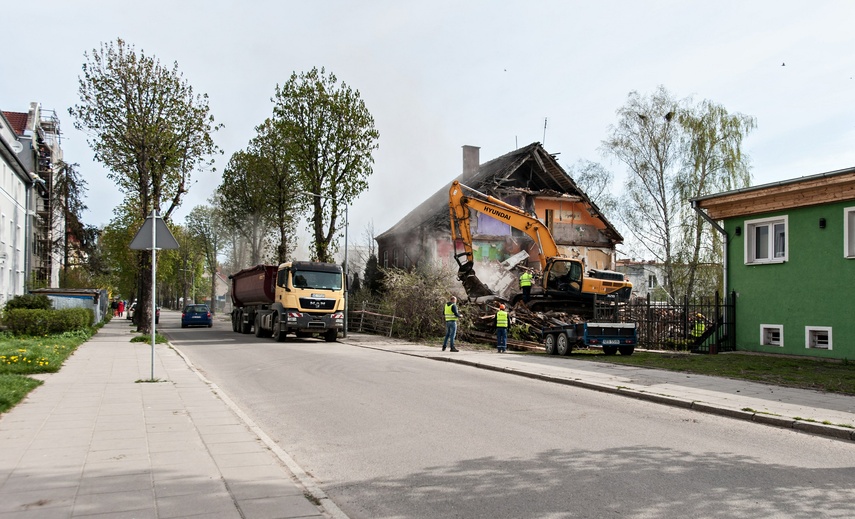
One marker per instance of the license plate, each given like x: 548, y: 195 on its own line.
x: 196, y: 317
x: 611, y: 341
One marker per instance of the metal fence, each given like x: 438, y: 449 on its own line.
x: 704, y: 325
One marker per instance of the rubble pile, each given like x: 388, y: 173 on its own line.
x: 528, y: 322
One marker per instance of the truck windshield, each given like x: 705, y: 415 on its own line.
x: 315, y: 279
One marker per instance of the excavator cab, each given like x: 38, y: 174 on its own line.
x: 563, y: 275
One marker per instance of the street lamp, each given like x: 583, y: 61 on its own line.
x: 346, y: 274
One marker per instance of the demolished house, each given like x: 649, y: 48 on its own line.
x: 529, y: 178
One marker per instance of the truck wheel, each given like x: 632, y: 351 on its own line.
x: 562, y: 345
x: 278, y: 335
x: 331, y: 335
x: 258, y: 331
x: 610, y: 350
x: 549, y: 343
x: 626, y: 350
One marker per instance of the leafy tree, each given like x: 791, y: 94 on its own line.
x: 675, y: 150
x: 244, y: 193
x: 714, y: 162
x: 597, y: 182
x: 203, y: 224
x: 150, y: 130
x: 330, y: 138
x: 270, y: 148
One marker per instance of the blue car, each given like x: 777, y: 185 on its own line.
x: 196, y: 315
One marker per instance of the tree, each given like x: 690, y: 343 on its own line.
x: 674, y: 150
x: 712, y: 140
x: 244, y: 193
x: 203, y: 225
x: 330, y: 138
x: 373, y: 276
x: 148, y: 127
x: 597, y: 182
x: 270, y: 149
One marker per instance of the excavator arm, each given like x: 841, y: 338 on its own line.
x: 459, y: 205
x: 564, y: 276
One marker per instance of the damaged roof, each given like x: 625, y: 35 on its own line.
x: 529, y: 170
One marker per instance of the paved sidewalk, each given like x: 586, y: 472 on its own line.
x: 815, y: 412
x: 95, y: 441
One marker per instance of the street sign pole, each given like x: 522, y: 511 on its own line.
x: 153, y: 287
x: 150, y: 239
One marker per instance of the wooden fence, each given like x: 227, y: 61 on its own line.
x: 367, y: 318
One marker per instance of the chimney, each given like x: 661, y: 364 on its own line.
x: 471, y: 161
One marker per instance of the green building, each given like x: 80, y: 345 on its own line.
x: 790, y: 259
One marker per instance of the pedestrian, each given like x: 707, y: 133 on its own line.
x: 114, y: 306
x: 525, y: 285
x: 121, y: 308
x: 502, y: 321
x: 451, y: 317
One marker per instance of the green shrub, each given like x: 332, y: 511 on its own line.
x: 30, y: 301
x: 27, y: 322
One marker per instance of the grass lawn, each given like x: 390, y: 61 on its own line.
x: 799, y: 372
x: 20, y: 357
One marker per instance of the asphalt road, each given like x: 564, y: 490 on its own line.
x: 392, y: 436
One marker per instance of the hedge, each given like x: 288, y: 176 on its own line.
x: 47, y: 322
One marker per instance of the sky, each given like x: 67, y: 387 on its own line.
x: 440, y: 74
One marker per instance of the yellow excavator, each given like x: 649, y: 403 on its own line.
x: 563, y: 285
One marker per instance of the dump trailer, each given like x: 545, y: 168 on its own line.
x: 302, y: 298
x: 611, y: 337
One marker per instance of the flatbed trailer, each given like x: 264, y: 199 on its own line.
x: 611, y: 337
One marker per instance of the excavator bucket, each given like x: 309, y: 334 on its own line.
x: 474, y: 287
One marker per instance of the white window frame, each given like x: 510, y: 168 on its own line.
x: 765, y: 328
x: 811, y: 332
x: 848, y: 245
x: 751, y: 227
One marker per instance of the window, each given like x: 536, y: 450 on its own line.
x: 772, y: 335
x: 766, y: 240
x: 395, y: 259
x: 385, y: 259
x: 849, y: 232
x: 651, y: 281
x: 818, y: 337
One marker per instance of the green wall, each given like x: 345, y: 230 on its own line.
x: 814, y: 287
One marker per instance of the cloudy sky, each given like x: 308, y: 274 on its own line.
x: 439, y: 74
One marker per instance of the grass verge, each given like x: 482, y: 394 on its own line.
x: 805, y: 373
x: 22, y: 356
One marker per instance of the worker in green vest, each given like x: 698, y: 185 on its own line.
x: 525, y: 285
x: 451, y: 317
x: 699, y: 326
x: 502, y: 322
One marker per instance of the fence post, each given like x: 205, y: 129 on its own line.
x: 649, y: 321
x: 362, y: 317
x: 714, y: 344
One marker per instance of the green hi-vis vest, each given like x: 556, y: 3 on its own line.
x: 525, y: 279
x: 501, y: 319
x: 449, y: 313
